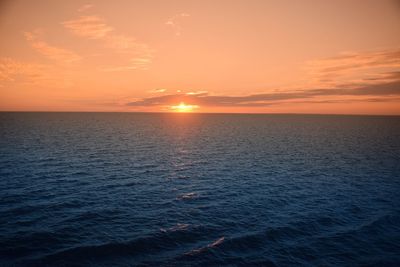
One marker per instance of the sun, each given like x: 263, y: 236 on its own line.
x: 182, y: 107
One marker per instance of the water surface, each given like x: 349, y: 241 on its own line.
x: 115, y: 189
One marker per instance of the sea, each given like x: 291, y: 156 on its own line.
x: 186, y: 189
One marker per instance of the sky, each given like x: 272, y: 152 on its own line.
x: 244, y: 56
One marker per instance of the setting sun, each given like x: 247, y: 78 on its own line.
x: 182, y: 107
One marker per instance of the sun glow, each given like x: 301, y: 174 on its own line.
x: 182, y: 107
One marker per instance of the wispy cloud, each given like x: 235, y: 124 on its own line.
x: 158, y: 90
x: 26, y: 73
x: 50, y: 51
x: 175, y: 23
x: 361, y: 67
x: 139, y: 54
x: 10, y: 69
x: 85, y: 7
x: 35, y: 75
x: 92, y: 27
x: 197, y: 93
x: 141, y: 63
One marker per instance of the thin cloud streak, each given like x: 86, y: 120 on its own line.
x: 355, y: 61
x: 365, y: 67
x: 85, y: 7
x: 32, y: 74
x: 175, y: 23
x: 10, y: 69
x: 50, y: 51
x: 92, y: 27
x: 158, y: 90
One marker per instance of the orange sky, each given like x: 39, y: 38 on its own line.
x: 281, y: 56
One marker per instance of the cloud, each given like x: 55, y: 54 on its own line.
x: 50, y: 51
x: 361, y: 67
x: 139, y: 55
x: 134, y: 64
x: 85, y: 7
x: 92, y: 27
x: 259, y: 100
x: 175, y: 23
x: 159, y: 90
x: 31, y: 74
x: 351, y: 100
x: 26, y: 73
x: 10, y: 69
x: 197, y: 93
x: 125, y: 44
x: 355, y: 61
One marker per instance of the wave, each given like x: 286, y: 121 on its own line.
x: 211, y: 245
x: 156, y: 243
x: 177, y: 227
x: 304, y: 243
x: 298, y: 243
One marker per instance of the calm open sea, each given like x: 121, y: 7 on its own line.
x: 126, y: 189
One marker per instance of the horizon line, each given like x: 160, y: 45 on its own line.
x: 201, y: 113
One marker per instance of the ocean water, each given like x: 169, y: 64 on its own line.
x: 117, y: 189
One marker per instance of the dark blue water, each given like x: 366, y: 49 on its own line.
x: 103, y: 189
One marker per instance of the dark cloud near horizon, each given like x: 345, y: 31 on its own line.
x: 259, y: 100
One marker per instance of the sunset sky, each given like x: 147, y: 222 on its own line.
x: 262, y: 56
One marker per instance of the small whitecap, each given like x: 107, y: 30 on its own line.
x: 186, y: 196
